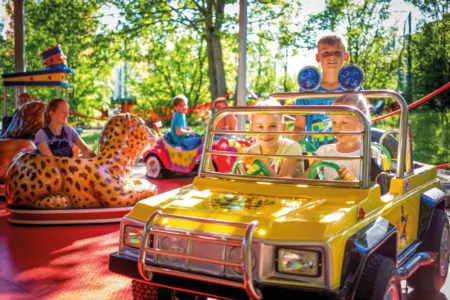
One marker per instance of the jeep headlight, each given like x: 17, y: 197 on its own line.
x: 133, y: 236
x: 298, y: 262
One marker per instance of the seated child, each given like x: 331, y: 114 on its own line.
x: 346, y: 145
x: 273, y: 144
x: 229, y: 122
x: 180, y: 133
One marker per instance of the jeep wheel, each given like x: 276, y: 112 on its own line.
x: 379, y: 280
x: 154, y: 167
x: 144, y: 291
x: 432, y: 278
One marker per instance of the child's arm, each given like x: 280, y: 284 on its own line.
x: 300, y: 125
x: 180, y: 131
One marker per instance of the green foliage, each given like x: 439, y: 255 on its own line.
x: 431, y: 62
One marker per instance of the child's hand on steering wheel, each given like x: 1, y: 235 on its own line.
x: 346, y: 174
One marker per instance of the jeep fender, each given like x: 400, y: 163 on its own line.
x: 379, y: 236
x: 430, y: 200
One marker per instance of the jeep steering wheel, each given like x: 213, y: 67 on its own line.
x: 239, y: 166
x: 316, y: 170
x: 311, y: 147
x: 385, y: 152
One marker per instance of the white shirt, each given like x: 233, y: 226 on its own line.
x: 286, y: 147
x: 353, y: 164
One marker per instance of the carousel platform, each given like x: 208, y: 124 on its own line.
x: 64, y: 261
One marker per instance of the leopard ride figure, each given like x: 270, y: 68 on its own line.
x: 42, y: 182
x: 19, y: 136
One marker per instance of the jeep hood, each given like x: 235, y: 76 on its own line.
x: 283, y: 212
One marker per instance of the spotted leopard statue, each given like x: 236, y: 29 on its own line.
x: 47, y: 182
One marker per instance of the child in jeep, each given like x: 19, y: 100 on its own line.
x: 346, y: 145
x: 273, y: 144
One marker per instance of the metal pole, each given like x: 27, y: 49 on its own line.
x: 19, y: 41
x: 409, y: 76
x: 242, y: 69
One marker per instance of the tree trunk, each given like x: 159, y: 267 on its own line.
x: 216, y: 71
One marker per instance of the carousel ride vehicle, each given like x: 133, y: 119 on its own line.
x: 43, y: 189
x: 166, y: 157
x: 246, y: 234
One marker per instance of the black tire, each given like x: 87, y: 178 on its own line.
x: 154, y: 167
x: 431, y: 278
x: 144, y: 291
x: 379, y: 278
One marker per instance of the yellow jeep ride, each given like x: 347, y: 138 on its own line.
x: 246, y: 235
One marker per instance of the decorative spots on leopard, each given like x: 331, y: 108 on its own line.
x: 41, y: 184
x: 49, y: 189
x: 48, y: 160
x: 24, y: 187
x: 63, y: 171
x: 69, y: 180
x: 56, y: 182
x: 53, y: 170
x: 117, y: 188
x: 64, y: 161
x: 32, y: 194
x: 22, y: 175
x: 122, y: 194
x: 108, y: 180
x: 97, y: 166
x: 84, y: 175
x: 97, y: 176
x: 78, y: 161
x: 73, y: 169
x: 43, y: 164
x: 67, y: 190
x: 23, y: 168
x: 18, y: 200
x: 34, y: 165
x: 88, y: 169
x: 31, y: 172
x: 39, y: 171
x: 48, y: 175
x: 102, y: 184
x: 77, y: 186
x: 33, y: 186
x: 85, y: 189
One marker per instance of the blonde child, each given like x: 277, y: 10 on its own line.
x: 181, y: 134
x: 273, y: 144
x: 346, y: 145
x: 331, y: 54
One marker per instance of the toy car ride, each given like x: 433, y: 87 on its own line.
x: 242, y: 234
x: 166, y: 157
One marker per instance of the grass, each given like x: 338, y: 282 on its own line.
x: 430, y: 131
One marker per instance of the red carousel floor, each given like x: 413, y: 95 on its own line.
x: 71, y: 261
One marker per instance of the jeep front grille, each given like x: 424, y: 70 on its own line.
x: 188, y: 253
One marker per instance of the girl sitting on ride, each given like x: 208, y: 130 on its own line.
x: 57, y: 138
x: 273, y: 144
x: 346, y: 145
x: 229, y: 122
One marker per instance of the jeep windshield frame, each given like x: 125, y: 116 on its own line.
x: 365, y: 158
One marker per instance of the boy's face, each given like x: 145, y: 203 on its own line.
x: 181, y: 107
x: 345, y: 123
x: 331, y: 57
x: 267, y: 123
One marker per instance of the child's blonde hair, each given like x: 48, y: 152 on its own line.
x: 270, y: 101
x: 333, y: 40
x: 177, y: 100
x: 354, y: 99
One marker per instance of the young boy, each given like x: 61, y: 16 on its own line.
x: 331, y: 54
x: 180, y: 133
x: 274, y: 144
x: 346, y: 145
